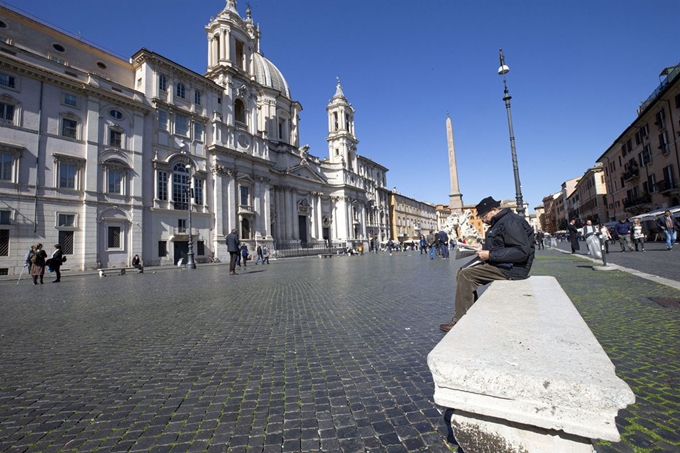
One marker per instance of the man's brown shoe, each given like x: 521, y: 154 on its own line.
x: 447, y: 327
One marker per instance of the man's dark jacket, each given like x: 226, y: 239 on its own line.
x: 622, y: 228
x: 661, y: 222
x: 510, y: 242
x: 233, y: 243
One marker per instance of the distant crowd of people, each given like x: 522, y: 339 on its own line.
x: 630, y: 235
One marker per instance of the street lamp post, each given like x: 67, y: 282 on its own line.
x: 502, y: 70
x: 190, y: 243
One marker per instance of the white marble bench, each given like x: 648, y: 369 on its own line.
x: 524, y: 373
x: 120, y: 270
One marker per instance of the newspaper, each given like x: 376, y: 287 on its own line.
x: 464, y: 250
x: 473, y: 262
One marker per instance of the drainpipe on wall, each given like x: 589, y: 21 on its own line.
x: 37, y: 161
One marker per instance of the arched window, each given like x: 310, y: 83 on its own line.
x: 181, y: 91
x: 239, y: 111
x: 162, y: 83
x: 180, y: 186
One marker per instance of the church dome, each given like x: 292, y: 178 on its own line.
x: 269, y: 75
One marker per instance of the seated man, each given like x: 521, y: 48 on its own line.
x: 137, y: 264
x: 507, y: 254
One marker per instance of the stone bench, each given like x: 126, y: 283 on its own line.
x: 325, y: 255
x: 120, y: 270
x: 523, y: 373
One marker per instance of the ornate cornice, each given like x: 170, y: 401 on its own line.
x: 222, y: 170
x: 64, y: 81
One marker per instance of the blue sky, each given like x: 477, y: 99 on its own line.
x: 578, y: 72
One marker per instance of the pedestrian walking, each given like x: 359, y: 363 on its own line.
x: 605, y: 237
x: 432, y: 244
x: 27, y: 264
x: 244, y: 254
x: 573, y: 236
x: 622, y: 230
x: 638, y: 236
x: 38, y: 263
x: 258, y: 252
x: 265, y: 254
x: 540, y: 237
x: 233, y: 248
x: 669, y: 225
x: 444, y: 244
x: 592, y: 242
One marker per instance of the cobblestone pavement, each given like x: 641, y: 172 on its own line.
x: 301, y: 355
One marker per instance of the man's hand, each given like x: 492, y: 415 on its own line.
x: 483, y: 255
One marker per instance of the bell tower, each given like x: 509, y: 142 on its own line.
x: 342, y: 143
x: 232, y: 41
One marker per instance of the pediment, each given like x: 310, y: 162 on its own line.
x: 112, y: 155
x: 303, y: 170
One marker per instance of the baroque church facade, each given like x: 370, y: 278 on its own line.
x: 107, y: 157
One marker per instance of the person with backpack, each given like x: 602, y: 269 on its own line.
x: 444, y: 244
x: 244, y: 255
x: 38, y: 263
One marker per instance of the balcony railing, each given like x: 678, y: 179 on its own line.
x: 644, y: 199
x: 183, y: 231
x: 666, y: 186
x: 670, y: 76
x: 633, y: 173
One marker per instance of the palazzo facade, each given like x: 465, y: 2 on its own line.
x: 107, y: 157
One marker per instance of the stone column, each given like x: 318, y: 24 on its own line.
x: 257, y: 207
x: 333, y: 230
x: 276, y: 232
x: 266, y: 208
x: 318, y: 215
x: 349, y: 219
x: 224, y: 47
x: 341, y: 218
x: 312, y: 215
x: 362, y: 220
x: 218, y: 203
x: 231, y: 201
x: 292, y: 214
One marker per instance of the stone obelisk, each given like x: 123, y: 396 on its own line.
x: 455, y: 198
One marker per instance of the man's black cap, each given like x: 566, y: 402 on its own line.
x: 486, y: 205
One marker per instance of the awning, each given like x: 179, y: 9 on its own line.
x: 652, y: 215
